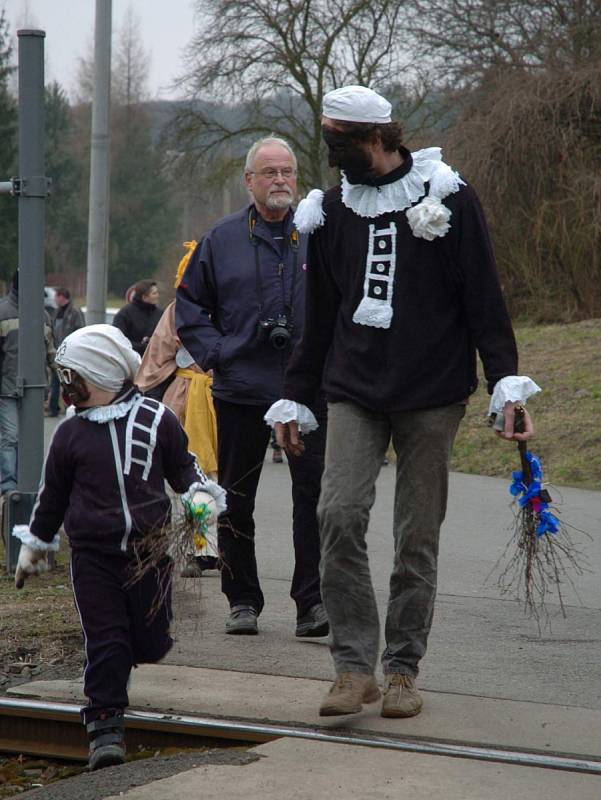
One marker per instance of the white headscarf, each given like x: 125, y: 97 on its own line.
x: 101, y: 354
x: 356, y: 104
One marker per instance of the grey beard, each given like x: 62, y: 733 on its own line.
x: 278, y: 203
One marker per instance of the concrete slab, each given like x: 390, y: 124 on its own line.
x: 481, y: 643
x: 455, y: 718
x: 302, y: 770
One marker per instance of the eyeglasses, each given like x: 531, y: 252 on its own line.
x: 64, y: 375
x: 271, y: 173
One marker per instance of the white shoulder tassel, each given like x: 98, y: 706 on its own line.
x: 310, y: 214
x: 445, y: 181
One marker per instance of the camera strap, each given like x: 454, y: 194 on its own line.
x: 255, y: 243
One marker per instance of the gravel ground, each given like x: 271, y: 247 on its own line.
x: 15, y: 674
x: 113, y: 780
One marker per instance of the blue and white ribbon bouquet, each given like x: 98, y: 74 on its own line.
x: 540, y: 558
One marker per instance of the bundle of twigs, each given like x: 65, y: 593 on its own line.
x: 541, y: 557
x: 168, y: 547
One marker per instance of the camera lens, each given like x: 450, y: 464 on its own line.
x: 279, y: 338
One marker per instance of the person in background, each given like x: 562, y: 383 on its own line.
x: 9, y: 354
x: 67, y: 319
x: 138, y: 319
x: 168, y: 373
x: 239, y: 311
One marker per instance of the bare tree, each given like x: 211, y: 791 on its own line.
x: 467, y: 40
x: 277, y: 58
x: 129, y: 69
x: 533, y: 148
x: 130, y: 63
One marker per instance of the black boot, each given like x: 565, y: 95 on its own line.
x: 107, y: 746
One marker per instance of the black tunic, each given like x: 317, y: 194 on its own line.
x: 446, y: 303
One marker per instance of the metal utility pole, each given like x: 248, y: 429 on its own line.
x: 98, y: 221
x: 32, y: 189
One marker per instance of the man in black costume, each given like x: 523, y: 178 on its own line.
x: 401, y: 292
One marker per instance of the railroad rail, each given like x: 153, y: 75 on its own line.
x: 49, y: 729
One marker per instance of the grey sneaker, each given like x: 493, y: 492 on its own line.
x: 313, y: 623
x: 242, y: 621
x: 107, y: 747
x: 401, y: 698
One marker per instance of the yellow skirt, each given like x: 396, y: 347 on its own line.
x: 200, y: 422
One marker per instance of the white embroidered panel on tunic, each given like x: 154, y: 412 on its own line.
x: 375, y: 308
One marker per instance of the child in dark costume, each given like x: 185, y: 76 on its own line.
x: 104, y: 480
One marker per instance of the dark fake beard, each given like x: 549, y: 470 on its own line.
x: 75, y: 392
x: 346, y: 154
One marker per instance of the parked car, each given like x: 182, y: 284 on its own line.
x: 49, y: 299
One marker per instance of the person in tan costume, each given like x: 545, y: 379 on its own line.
x: 188, y: 395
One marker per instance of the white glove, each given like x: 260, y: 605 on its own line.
x: 201, y: 498
x: 31, y: 562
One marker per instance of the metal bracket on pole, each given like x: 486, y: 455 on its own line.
x: 32, y: 186
x: 21, y: 386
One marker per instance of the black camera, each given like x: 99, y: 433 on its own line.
x: 277, y: 331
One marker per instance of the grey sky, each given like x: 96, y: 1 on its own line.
x: 166, y: 27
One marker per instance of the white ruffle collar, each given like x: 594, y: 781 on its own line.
x: 427, y: 167
x: 429, y: 219
x: 103, y: 414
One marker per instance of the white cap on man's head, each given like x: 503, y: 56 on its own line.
x: 356, y: 104
x: 101, y: 354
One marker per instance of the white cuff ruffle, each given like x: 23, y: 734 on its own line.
x: 291, y: 411
x: 216, y: 491
x: 511, y: 389
x: 23, y: 533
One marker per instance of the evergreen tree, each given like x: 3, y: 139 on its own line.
x: 142, y: 222
x: 8, y: 156
x: 66, y: 216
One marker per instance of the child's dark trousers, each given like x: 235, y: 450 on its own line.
x: 119, y: 631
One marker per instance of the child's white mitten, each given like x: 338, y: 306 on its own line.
x: 31, y: 562
x: 201, y: 498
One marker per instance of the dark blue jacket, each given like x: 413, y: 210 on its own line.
x: 106, y: 480
x: 217, y: 308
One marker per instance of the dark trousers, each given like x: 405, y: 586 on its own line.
x: 117, y: 628
x: 243, y: 437
x: 54, y: 396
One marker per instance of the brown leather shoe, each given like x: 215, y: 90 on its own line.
x: 349, y: 691
x: 401, y: 698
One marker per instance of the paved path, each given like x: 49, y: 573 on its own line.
x: 489, y: 676
x: 481, y: 643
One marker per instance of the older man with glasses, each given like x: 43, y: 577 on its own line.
x: 239, y: 312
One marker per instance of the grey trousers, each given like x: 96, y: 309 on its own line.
x: 356, y: 444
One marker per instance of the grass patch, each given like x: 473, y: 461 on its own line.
x: 39, y: 623
x: 564, y: 361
